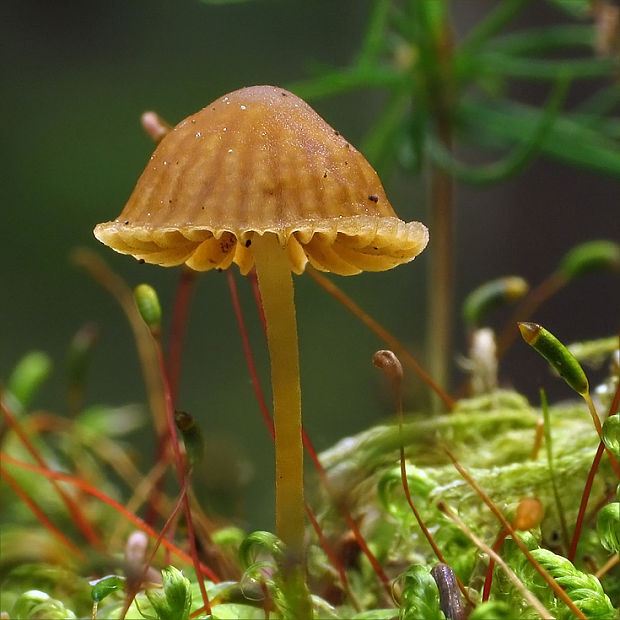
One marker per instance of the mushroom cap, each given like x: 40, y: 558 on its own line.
x: 260, y: 160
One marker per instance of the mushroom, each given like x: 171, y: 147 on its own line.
x: 259, y: 179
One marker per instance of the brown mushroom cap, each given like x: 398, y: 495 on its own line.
x: 260, y: 160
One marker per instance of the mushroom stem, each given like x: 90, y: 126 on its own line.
x: 276, y: 288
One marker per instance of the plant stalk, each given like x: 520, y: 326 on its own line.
x: 275, y: 282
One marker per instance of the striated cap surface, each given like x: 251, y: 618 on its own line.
x: 261, y: 161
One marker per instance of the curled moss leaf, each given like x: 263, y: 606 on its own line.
x: 608, y: 526
x: 390, y: 488
x: 174, y: 602
x: 37, y: 605
x: 258, y: 544
x: 492, y: 610
x: 611, y: 434
x: 585, y: 590
x: 420, y: 596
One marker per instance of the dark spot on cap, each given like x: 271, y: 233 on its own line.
x: 141, y: 261
x: 284, y: 94
x: 373, y: 197
x: 248, y: 243
x: 325, y: 175
x: 336, y: 133
x: 126, y: 222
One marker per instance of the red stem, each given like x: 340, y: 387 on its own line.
x: 132, y: 594
x: 181, y: 474
x: 180, y: 313
x: 359, y: 538
x: 95, y: 492
x: 489, y: 578
x: 39, y: 514
x: 572, y: 552
x: 84, y: 526
x: 183, y: 296
x: 249, y: 358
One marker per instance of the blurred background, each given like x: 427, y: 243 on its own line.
x: 78, y: 75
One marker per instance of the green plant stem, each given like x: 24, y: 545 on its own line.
x: 442, y: 221
x: 554, y: 484
x: 503, y: 13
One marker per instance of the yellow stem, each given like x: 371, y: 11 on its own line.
x: 276, y: 288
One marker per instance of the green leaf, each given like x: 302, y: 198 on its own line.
x: 549, y: 38
x: 503, y: 122
x: 608, y: 526
x: 27, y: 377
x: 492, y: 610
x: 584, y: 589
x: 420, y: 596
x: 542, y: 69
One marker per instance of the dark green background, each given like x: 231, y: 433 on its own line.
x: 77, y: 76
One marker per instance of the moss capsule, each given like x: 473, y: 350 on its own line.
x: 562, y: 360
x: 192, y: 437
x: 490, y: 295
x: 590, y: 256
x: 105, y: 586
x: 148, y: 306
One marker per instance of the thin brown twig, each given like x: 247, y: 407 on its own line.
x: 391, y: 341
x: 557, y: 589
x: 527, y: 595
